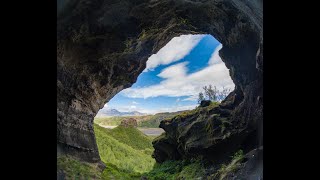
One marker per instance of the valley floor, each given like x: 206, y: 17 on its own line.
x: 146, y: 131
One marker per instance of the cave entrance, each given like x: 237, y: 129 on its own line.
x: 171, y: 83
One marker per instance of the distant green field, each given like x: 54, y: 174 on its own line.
x: 108, y: 121
x: 147, y: 121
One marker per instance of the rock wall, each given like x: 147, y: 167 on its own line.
x: 103, y: 45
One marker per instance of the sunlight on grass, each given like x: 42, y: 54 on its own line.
x: 128, y: 149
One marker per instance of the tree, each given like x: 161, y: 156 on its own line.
x: 224, y: 93
x: 205, y: 88
x: 211, y: 93
x: 201, y: 97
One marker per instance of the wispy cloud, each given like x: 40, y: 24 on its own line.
x: 175, y: 50
x: 178, y: 83
x: 169, y: 109
x: 215, y: 58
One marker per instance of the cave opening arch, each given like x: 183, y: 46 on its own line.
x: 98, y: 55
x: 168, y: 86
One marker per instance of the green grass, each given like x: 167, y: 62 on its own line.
x: 232, y: 167
x: 75, y: 169
x: 197, y: 110
x: 132, y: 137
x: 132, y: 155
x: 176, y: 170
x: 125, y: 151
x: 112, y: 172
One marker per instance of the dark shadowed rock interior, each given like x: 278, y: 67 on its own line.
x: 103, y: 45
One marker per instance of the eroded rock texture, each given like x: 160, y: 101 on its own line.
x: 103, y: 45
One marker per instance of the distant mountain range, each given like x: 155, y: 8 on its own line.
x: 114, y: 112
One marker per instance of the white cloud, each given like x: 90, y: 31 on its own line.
x: 215, y: 58
x: 178, y: 83
x: 133, y: 102
x: 177, y: 108
x: 174, y: 71
x: 191, y: 98
x: 169, y: 109
x: 176, y: 49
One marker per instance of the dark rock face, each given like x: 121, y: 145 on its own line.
x: 130, y: 122
x: 103, y: 45
x: 250, y: 167
x: 210, y: 132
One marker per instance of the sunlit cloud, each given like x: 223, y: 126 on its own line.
x: 178, y: 83
x: 174, y: 51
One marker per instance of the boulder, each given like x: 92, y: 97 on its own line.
x: 205, y: 103
x: 129, y: 122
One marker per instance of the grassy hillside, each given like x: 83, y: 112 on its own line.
x: 75, y: 169
x: 128, y: 149
x: 132, y: 137
x: 125, y: 151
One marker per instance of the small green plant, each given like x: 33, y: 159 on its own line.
x: 209, y: 127
x: 238, y: 155
x: 232, y: 167
x: 183, y: 169
x: 143, y: 34
x: 223, y: 128
x: 183, y: 21
x: 128, y: 43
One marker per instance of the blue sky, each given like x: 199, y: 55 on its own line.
x: 174, y: 77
